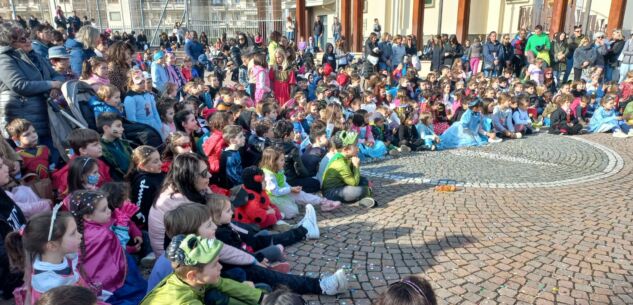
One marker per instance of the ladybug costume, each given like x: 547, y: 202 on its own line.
x: 251, y: 203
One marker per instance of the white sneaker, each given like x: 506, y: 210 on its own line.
x: 519, y: 135
x: 495, y: 140
x: 405, y: 149
x: 148, y: 260
x: 630, y: 133
x: 619, y: 134
x: 335, y: 283
x: 309, y: 222
x: 367, y: 202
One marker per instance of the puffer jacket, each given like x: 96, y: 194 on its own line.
x: 78, y: 55
x: 584, y: 53
x: 627, y: 52
x: 23, y: 91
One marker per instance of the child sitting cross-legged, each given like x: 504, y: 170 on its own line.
x: 606, y: 119
x: 117, y: 152
x: 341, y: 177
x: 561, y: 120
x: 283, y: 195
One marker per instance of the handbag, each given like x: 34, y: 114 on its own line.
x: 42, y: 187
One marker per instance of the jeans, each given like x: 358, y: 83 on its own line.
x: 308, y: 184
x: 570, y: 65
x: 622, y: 126
x: 336, y: 37
x: 317, y: 41
x: 624, y: 69
x: 297, y: 283
x: 608, y: 72
x: 290, y: 35
x: 348, y: 193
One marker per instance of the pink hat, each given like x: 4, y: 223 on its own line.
x: 259, y: 39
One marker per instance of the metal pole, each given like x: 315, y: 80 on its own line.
x: 13, y: 14
x: 586, y: 21
x: 142, y: 16
x: 440, y: 8
x: 160, y: 21
x: 122, y: 14
x: 88, y: 9
x: 99, y: 16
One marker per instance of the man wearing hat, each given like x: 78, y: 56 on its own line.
x: 60, y: 61
x: 159, y: 73
x: 197, y: 275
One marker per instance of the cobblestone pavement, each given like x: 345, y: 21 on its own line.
x: 497, y: 241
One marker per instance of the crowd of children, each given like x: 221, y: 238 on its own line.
x: 243, y: 152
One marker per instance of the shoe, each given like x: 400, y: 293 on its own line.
x: 367, y: 202
x: 329, y: 205
x: 495, y: 140
x: 433, y: 147
x: 394, y: 152
x: 619, y: 134
x: 309, y: 222
x: 405, y: 149
x: 630, y: 133
x: 519, y: 135
x: 334, y: 284
x: 283, y: 267
x: 148, y: 260
x: 537, y: 130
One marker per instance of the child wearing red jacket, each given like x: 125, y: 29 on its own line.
x: 252, y: 204
x: 84, y: 142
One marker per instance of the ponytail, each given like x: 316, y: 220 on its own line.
x: 15, y: 251
x: 89, y: 65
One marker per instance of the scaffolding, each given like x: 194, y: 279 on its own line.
x: 153, y: 17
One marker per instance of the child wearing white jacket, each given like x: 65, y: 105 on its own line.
x: 284, y: 196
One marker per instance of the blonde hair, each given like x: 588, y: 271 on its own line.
x: 284, y: 64
x: 269, y: 159
x: 215, y: 204
x: 107, y: 91
x: 88, y: 37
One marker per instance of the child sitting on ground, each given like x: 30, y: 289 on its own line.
x: 425, y: 130
x: 341, y: 177
x: 283, y: 195
x: 230, y: 160
x: 369, y: 147
x: 35, y: 158
x: 606, y: 119
x: 117, y: 152
x: 83, y: 142
x: 561, y: 121
x: 410, y: 290
x: 521, y: 118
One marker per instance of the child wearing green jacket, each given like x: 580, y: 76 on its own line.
x: 341, y: 178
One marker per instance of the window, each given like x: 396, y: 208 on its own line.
x: 115, y: 16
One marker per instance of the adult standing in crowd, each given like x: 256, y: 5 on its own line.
x: 613, y: 52
x: 626, y: 58
x: 519, y: 59
x: 82, y: 47
x: 437, y: 53
x: 179, y: 31
x: 336, y: 29
x: 386, y: 53
x: 600, y: 45
x: 508, y: 51
x: 372, y: 54
x: 377, y: 28
x: 560, y: 52
x: 493, y: 56
x: 397, y: 51
x: 290, y: 28
x: 453, y: 50
x: 41, y: 37
x: 23, y: 88
x: 194, y: 49
x: 120, y: 57
x: 584, y: 57
x: 273, y: 45
x: 60, y: 19
x: 539, y: 44
x: 573, y: 43
x: 317, y: 30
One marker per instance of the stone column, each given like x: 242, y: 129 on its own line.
x: 463, y: 17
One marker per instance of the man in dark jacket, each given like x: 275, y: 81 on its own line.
x: 41, y: 37
x: 194, y: 49
x: 317, y: 30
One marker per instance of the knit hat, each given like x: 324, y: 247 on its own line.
x: 191, y: 250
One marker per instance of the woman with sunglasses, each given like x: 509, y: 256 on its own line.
x: 23, y: 87
x: 187, y: 181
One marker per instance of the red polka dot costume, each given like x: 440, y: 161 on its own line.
x: 252, y: 203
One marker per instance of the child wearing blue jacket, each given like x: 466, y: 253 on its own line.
x: 140, y: 106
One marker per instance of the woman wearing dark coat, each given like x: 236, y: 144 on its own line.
x: 372, y: 51
x: 437, y: 53
x: 23, y: 88
x: 560, y: 52
x: 584, y: 57
x: 453, y: 51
